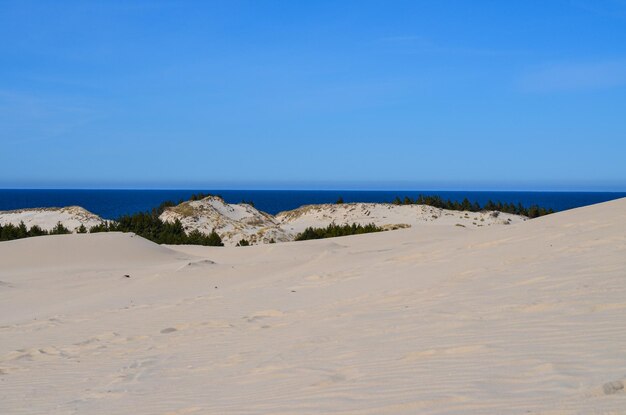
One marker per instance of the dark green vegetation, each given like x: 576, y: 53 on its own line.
x: 9, y: 232
x: 533, y: 211
x: 243, y: 242
x: 149, y: 226
x: 333, y: 230
x: 200, y: 196
x: 145, y: 224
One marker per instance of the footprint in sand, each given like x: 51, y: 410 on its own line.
x: 264, y: 314
x: 261, y: 315
x: 137, y: 370
x: 194, y: 265
x: 35, y: 354
x: 614, y: 387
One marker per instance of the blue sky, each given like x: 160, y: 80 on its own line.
x: 520, y: 95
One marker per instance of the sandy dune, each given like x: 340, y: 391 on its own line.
x: 385, y: 214
x: 237, y: 221
x: 47, y: 218
x: 526, y: 318
x: 234, y: 222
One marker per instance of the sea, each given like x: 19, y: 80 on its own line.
x: 110, y: 204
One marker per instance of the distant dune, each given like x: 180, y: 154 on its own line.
x: 389, y: 215
x: 47, y: 218
x: 234, y: 222
x: 241, y: 221
x: 526, y: 318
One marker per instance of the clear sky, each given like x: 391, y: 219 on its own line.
x: 527, y: 94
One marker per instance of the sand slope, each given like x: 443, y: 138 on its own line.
x: 46, y: 218
x: 527, y: 318
x: 234, y: 222
x: 385, y: 214
x: 231, y: 221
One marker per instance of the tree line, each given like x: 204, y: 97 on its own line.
x: 149, y: 226
x: 332, y: 231
x: 145, y: 224
x: 9, y: 231
x: 532, y: 211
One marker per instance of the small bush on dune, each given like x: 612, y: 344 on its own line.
x: 200, y: 196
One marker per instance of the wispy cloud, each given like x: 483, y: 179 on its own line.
x: 574, y: 76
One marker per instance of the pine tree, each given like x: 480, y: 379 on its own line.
x: 214, y: 239
x: 36, y: 231
x: 59, y: 229
x: 22, y: 232
x: 243, y: 242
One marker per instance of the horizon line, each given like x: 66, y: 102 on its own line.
x: 318, y: 190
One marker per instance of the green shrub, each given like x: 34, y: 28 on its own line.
x: 36, y: 231
x: 200, y: 196
x: 333, y: 230
x: 59, y: 229
x: 148, y: 225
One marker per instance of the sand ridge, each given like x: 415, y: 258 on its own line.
x: 526, y: 318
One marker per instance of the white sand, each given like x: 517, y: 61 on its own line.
x: 47, y: 218
x: 527, y: 318
x: 386, y: 214
x: 234, y: 222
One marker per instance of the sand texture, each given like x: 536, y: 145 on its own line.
x: 528, y: 318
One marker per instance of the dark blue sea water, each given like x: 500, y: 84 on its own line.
x: 110, y: 204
